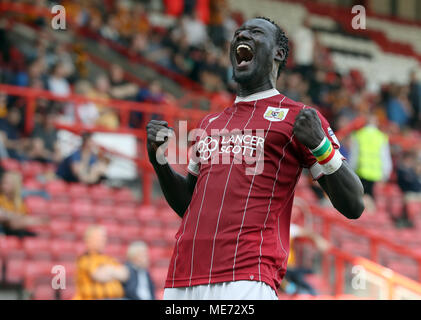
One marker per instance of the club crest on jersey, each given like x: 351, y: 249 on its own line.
x: 275, y: 114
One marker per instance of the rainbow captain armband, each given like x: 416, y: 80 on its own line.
x: 327, y: 156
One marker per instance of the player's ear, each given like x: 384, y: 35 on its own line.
x: 279, y: 54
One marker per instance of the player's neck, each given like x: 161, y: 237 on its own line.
x: 244, y: 90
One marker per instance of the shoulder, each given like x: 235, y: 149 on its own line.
x: 209, y: 118
x: 83, y: 260
x: 75, y: 155
x: 294, y: 107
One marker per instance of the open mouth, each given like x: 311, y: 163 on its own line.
x: 244, y: 55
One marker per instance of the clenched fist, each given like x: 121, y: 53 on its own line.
x: 157, y: 134
x: 308, y: 128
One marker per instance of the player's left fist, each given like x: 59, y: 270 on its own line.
x: 308, y: 128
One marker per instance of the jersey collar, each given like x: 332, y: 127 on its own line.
x: 258, y: 96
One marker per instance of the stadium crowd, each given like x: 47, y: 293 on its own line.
x: 192, y: 47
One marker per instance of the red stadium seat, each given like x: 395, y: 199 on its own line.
x: 59, y: 208
x: 33, y: 184
x: 37, y: 272
x: 103, y: 210
x: 9, y: 242
x: 80, y: 227
x: 101, y: 193
x: 68, y: 293
x: 146, y: 212
x: 404, y: 268
x: 78, y: 190
x: 131, y: 233
x: 151, y: 233
x: 114, y: 231
x: 116, y: 251
x: 158, y: 253
x: 44, y: 292
x: 124, y: 196
x: 37, y: 248
x: 32, y: 168
x: 15, y: 271
x: 81, y: 210
x: 57, y: 189
x: 67, y: 250
x: 159, y: 275
x: 125, y: 213
x: 37, y: 206
x: 61, y: 229
x: 107, y: 221
x: 10, y: 164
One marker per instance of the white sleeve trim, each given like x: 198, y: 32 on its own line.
x: 316, y: 169
x: 193, y: 168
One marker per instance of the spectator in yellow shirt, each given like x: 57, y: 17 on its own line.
x: 98, y: 276
x: 14, y: 218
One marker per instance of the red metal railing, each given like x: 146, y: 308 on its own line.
x: 390, y: 280
x: 330, y: 219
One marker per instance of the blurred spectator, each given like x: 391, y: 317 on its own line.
x: 370, y: 158
x: 3, y: 105
x: 57, y: 82
x: 409, y: 181
x: 44, y: 146
x: 415, y: 99
x: 152, y: 94
x: 398, y: 108
x: 138, y: 285
x: 98, y: 275
x: 120, y: 88
x: 110, y: 29
x: 10, y: 135
x: 216, y: 22
x: 107, y: 116
x: 14, y: 218
x: 87, y: 111
x: 304, y: 48
x: 294, y: 281
x: 194, y: 29
x: 409, y: 176
x: 83, y: 165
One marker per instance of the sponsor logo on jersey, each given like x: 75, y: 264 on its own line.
x: 275, y: 114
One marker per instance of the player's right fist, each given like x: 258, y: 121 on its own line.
x: 157, y: 133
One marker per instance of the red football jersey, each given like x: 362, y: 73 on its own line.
x: 248, y: 163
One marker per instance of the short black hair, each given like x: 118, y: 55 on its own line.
x: 281, y: 40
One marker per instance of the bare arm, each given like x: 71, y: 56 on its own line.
x: 343, y: 187
x: 177, y: 189
x: 345, y: 191
x: 108, y: 273
x: 89, y: 175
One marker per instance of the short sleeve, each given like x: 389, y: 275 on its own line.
x: 75, y: 157
x: 308, y: 160
x: 193, y: 167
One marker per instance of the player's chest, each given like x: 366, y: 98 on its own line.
x: 245, y: 137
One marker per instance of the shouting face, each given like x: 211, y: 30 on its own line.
x: 254, y: 52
